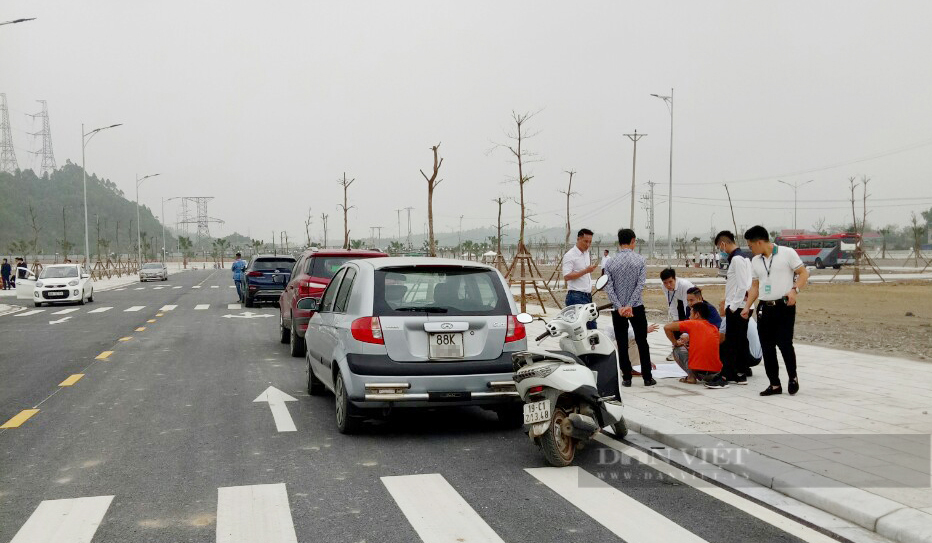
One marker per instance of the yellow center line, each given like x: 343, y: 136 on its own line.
x: 71, y: 380
x: 20, y: 418
x: 160, y: 314
x: 127, y: 338
x: 104, y: 355
x: 141, y: 329
x: 151, y: 320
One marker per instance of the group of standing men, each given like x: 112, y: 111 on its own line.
x: 8, y: 272
x: 771, y: 275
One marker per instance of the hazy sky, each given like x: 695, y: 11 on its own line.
x: 265, y: 105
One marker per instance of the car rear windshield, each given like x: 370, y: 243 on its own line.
x: 273, y: 264
x: 326, y: 266
x: 58, y: 273
x: 438, y: 290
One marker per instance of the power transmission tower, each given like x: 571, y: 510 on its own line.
x: 398, y: 211
x: 409, y: 226
x: 48, y: 156
x: 7, y: 153
x: 379, y: 230
x: 202, y: 220
x: 634, y: 137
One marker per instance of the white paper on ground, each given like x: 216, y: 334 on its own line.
x: 664, y: 371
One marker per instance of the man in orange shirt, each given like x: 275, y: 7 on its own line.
x: 701, y: 361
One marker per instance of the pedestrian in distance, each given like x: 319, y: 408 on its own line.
x: 5, y: 271
x: 737, y: 355
x: 577, y: 272
x: 779, y: 275
x: 698, y: 357
x: 605, y: 259
x: 239, y: 266
x: 627, y: 276
x: 675, y: 289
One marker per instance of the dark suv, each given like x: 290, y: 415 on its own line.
x: 310, y: 277
x: 265, y: 278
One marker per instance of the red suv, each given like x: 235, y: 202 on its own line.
x: 310, y: 276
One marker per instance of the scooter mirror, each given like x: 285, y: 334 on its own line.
x: 525, y: 318
x: 601, y: 282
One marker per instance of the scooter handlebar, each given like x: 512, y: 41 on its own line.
x: 542, y: 336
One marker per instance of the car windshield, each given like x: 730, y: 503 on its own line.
x: 59, y: 272
x: 273, y: 264
x: 326, y: 266
x: 444, y: 290
x: 152, y: 266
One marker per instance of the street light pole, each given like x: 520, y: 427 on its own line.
x: 669, y: 101
x: 85, y: 138
x: 138, y: 229
x: 795, y: 188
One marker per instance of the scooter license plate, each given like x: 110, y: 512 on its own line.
x: 536, y: 412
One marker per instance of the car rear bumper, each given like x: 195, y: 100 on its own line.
x: 264, y: 293
x: 382, y: 365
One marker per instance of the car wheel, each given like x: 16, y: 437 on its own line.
x: 296, y: 343
x: 247, y: 301
x: 347, y: 423
x: 315, y: 387
x: 510, y: 416
x: 38, y: 304
x: 284, y: 332
x: 81, y: 301
x: 90, y: 298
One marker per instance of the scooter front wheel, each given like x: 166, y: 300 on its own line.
x: 557, y: 447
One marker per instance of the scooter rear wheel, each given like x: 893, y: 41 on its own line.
x: 557, y: 447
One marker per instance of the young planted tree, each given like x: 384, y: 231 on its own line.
x: 185, y: 246
x: 222, y: 245
x: 256, y: 245
x: 34, y: 242
x: 307, y: 226
x: 432, y: 183
x: 522, y: 156
x: 323, y: 218
x: 346, y: 207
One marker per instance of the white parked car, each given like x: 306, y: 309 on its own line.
x: 153, y: 271
x: 58, y: 283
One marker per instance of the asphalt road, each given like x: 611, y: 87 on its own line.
x: 167, y: 425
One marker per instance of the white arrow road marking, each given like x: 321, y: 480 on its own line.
x: 100, y: 310
x: 59, y: 321
x: 135, y: 308
x: 436, y: 511
x: 246, y: 514
x: 73, y: 520
x: 233, y: 306
x: 65, y: 311
x: 202, y: 306
x: 30, y: 312
x: 168, y: 307
x: 604, y: 503
x: 276, y: 400
x: 248, y: 315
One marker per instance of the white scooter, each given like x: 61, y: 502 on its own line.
x: 571, y: 394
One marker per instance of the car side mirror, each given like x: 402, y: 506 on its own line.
x: 601, y: 282
x: 309, y: 304
x: 85, y: 276
x: 525, y: 318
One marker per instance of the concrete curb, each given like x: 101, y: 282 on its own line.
x: 883, y: 516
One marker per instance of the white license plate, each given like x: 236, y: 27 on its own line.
x: 537, y: 412
x: 56, y: 294
x: 445, y: 345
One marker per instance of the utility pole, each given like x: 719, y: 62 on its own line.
x: 668, y: 100
x: 459, y: 237
x: 7, y: 152
x: 398, y: 211
x: 795, y: 187
x: 634, y: 137
x: 410, y: 246
x: 48, y: 156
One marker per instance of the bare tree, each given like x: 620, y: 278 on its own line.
x: 522, y: 157
x: 432, y: 183
x: 307, y: 226
x: 819, y: 226
x: 569, y: 193
x: 323, y: 218
x: 34, y: 224
x: 346, y: 207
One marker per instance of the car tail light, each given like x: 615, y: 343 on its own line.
x: 254, y: 274
x: 367, y: 330
x: 515, y: 330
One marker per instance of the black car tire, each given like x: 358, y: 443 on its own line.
x: 38, y: 304
x: 818, y: 264
x: 284, y: 332
x: 247, y: 301
x: 315, y: 387
x: 295, y: 343
x: 347, y: 421
x: 91, y: 297
x: 81, y: 301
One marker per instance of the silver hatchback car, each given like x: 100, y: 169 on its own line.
x: 414, y: 332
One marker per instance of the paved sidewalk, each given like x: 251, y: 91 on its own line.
x: 855, y: 441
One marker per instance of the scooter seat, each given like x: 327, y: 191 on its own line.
x: 568, y: 355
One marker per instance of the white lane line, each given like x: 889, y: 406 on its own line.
x: 118, y: 289
x: 232, y: 286
x: 30, y: 312
x: 134, y: 308
x: 722, y: 494
x: 233, y: 306
x: 621, y: 514
x: 65, y: 311
x: 436, y: 511
x: 140, y: 288
x: 196, y: 286
x: 173, y: 288
x: 100, y: 310
x: 168, y: 307
x: 276, y: 400
x: 214, y: 286
x: 246, y: 514
x: 157, y: 288
x: 72, y: 520
x: 202, y: 306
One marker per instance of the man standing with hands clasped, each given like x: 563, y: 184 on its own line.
x: 577, y: 272
x: 737, y: 285
x: 779, y: 274
x: 627, y: 275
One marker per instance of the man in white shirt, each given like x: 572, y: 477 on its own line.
x: 577, y: 270
x: 779, y: 274
x: 737, y: 283
x: 675, y: 289
x: 605, y: 259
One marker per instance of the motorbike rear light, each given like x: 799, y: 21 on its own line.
x: 515, y: 330
x: 367, y: 330
x: 535, y: 390
x: 254, y: 274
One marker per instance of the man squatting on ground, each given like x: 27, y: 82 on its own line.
x: 700, y: 361
x: 675, y: 289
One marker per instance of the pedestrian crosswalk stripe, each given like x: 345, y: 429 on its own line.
x: 214, y: 286
x: 19, y: 418
x: 168, y: 307
x: 157, y: 288
x: 254, y: 513
x: 72, y: 520
x: 233, y: 306
x: 134, y: 308
x: 436, y: 511
x: 65, y: 311
x: 231, y: 286
x: 202, y: 306
x: 71, y: 380
x: 624, y: 516
x: 100, y: 309
x: 30, y: 312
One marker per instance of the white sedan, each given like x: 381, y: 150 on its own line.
x: 58, y: 283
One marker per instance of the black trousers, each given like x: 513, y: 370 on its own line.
x: 737, y: 351
x: 638, y: 323
x: 775, y: 326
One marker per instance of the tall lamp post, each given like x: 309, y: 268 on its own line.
x: 85, y: 139
x: 669, y: 101
x: 795, y: 188
x: 163, y: 223
x: 138, y: 229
